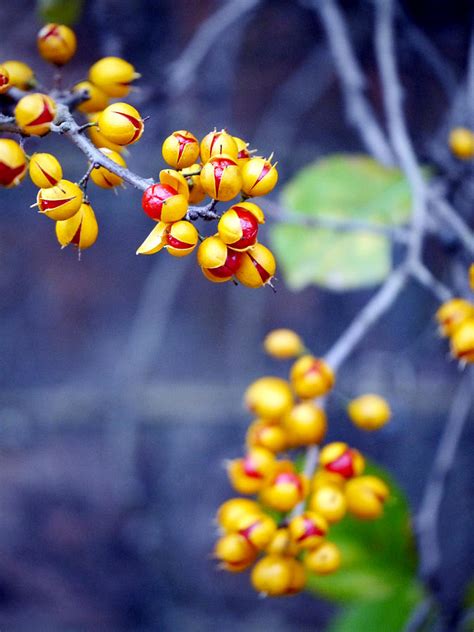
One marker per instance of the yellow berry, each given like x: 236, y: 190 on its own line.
x: 311, y: 377
x: 259, y: 176
x: 34, y: 114
x: 104, y: 178
x: 121, y: 123
x: 238, y: 228
x: 217, y: 144
x: 5, y: 83
x: 283, y: 344
x: 243, y: 153
x: 257, y: 267
x: 249, y: 474
x: 20, y: 74
x: 339, y: 458
x: 369, y: 412
x: 285, y: 489
x: 99, y: 139
x: 97, y: 100
x: 12, y: 163
x: 259, y: 530
x: 365, y: 496
x: 269, y: 397
x: 322, y: 478
x: 220, y: 177
x: 232, y: 511
x: 471, y: 276
x: 196, y: 192
x: 461, y: 143
x: 324, y: 559
x: 305, y: 424
x: 45, y: 170
x: 452, y: 313
x: 81, y: 229
x: 235, y: 552
x: 181, y: 239
x: 329, y: 501
x: 308, y: 529
x: 272, y: 575
x: 282, y: 543
x: 113, y: 75
x: 180, y: 149
x: 462, y: 341
x: 61, y: 201
x: 267, y: 434
x: 56, y: 43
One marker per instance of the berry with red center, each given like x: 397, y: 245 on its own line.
x: 235, y: 552
x: 56, y: 43
x: 61, y: 201
x: 217, y: 144
x: 220, y: 177
x: 12, y: 163
x: 243, y: 153
x: 121, y: 123
x: 365, y: 496
x: 180, y: 149
x: 452, y: 313
x: 34, y: 114
x: 308, y: 529
x: 104, y: 178
x: 5, y: 83
x: 257, y: 267
x: 217, y: 262
x: 81, y: 229
x: 259, y: 530
x: 269, y: 397
x: 163, y: 202
x: 259, y: 176
x: 238, y: 228
x: 113, y: 75
x: 285, y: 489
x: 462, y: 341
x: 181, y: 238
x: 248, y: 475
x: 20, y: 74
x: 45, y: 170
x: 311, y: 377
x: 339, y: 458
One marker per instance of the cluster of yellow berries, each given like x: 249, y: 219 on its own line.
x: 461, y: 143
x: 456, y: 322
x: 288, y: 523
x: 220, y: 167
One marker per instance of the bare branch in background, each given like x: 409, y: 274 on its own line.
x: 181, y: 72
x: 448, y: 215
x: 422, y: 274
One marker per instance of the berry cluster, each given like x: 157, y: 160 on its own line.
x: 461, y: 143
x: 456, y: 322
x: 220, y: 167
x: 289, y: 521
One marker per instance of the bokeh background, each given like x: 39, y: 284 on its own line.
x: 121, y: 377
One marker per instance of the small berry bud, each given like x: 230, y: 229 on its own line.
x: 257, y: 267
x: 235, y: 552
x: 12, y: 163
x: 34, y: 114
x: 322, y: 478
x: 81, y: 229
x: 369, y: 412
x: 461, y: 143
x: 45, y: 170
x: 311, y: 377
x: 181, y: 239
x: 462, y: 341
x: 121, y: 123
x: 20, y: 74
x: 97, y: 100
x: 305, y: 424
x: 283, y: 344
x: 56, y: 43
x: 272, y: 575
x: 220, y: 177
x: 249, y: 474
x: 338, y: 457
x: 104, y: 178
x: 259, y: 530
x: 308, y: 529
x: 180, y: 149
x: 217, y: 144
x: 269, y: 397
x: 232, y: 511
x: 324, y: 559
x: 267, y: 434
x: 259, y: 176
x: 238, y: 228
x: 61, y: 201
x: 452, y: 313
x: 329, y: 501
x: 286, y: 488
x: 113, y: 75
x: 365, y: 496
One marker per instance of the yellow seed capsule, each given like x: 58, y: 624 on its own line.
x: 298, y: 577
x: 259, y: 530
x: 324, y: 559
x: 104, y: 178
x: 196, y: 192
x: 283, y: 344
x: 97, y: 100
x: 61, y: 201
x: 220, y: 177
x: 232, y: 511
x: 282, y: 543
x: 12, y: 163
x: 365, y: 496
x: 235, y: 552
x: 238, y: 228
x: 452, y: 313
x: 20, y: 74
x: 34, y: 113
x: 272, y: 575
x: 461, y: 143
x: 181, y: 238
x: 311, y: 377
x: 285, y: 489
x: 180, y: 149
x: 81, y: 229
x: 249, y: 474
x: 259, y: 176
x: 56, y: 43
x: 369, y: 412
x: 121, y: 123
x: 155, y: 241
x: 308, y: 529
x: 45, y: 170
x: 257, y: 267
x: 5, y: 83
x: 323, y: 478
x: 243, y: 153
x: 305, y: 424
x: 113, y: 75
x: 218, y: 144
x: 340, y: 459
x: 99, y: 139
x: 329, y: 501
x: 269, y: 397
x: 462, y: 341
x: 266, y: 434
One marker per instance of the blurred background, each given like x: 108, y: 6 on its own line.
x: 121, y: 377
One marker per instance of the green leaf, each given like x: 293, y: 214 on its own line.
x: 389, y: 615
x: 347, y: 188
x: 61, y: 11
x: 378, y: 557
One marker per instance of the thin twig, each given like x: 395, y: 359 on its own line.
x: 424, y: 276
x: 448, y: 215
x: 419, y: 616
